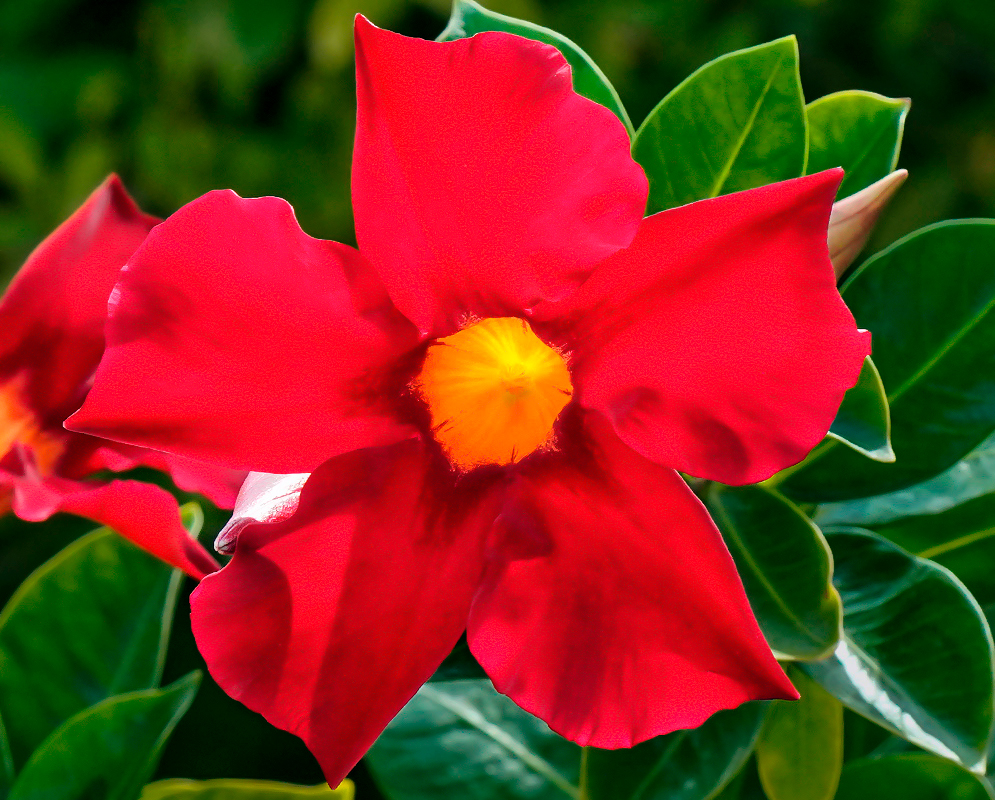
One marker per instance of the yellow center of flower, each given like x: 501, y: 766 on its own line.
x: 494, y: 390
x: 19, y: 425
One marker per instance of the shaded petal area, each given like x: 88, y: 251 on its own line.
x: 53, y: 312
x: 237, y: 339
x: 329, y: 621
x: 146, y: 514
x: 718, y: 344
x: 481, y: 182
x: 85, y: 455
x: 612, y: 609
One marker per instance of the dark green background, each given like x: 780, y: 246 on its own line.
x: 257, y: 95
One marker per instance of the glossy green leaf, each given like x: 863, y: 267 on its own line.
x: 859, y: 131
x: 910, y: 776
x: 469, y: 18
x: 916, y: 654
x: 962, y: 539
x: 926, y: 299
x: 863, y: 421
x: 7, y: 772
x: 786, y: 569
x: 973, y: 476
x: 684, y: 765
x: 108, y: 750
x: 736, y: 123
x: 90, y: 623
x: 800, y: 750
x: 228, y: 789
x: 463, y: 739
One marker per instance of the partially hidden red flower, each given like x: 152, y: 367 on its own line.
x: 493, y: 395
x: 51, y: 339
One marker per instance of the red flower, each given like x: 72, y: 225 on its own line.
x: 492, y: 447
x: 51, y: 339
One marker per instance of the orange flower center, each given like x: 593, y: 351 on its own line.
x: 19, y: 425
x: 494, y: 390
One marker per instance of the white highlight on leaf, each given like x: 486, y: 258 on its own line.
x: 869, y: 683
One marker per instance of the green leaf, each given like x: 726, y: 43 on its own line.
x: 736, y: 123
x: 786, y: 569
x: 228, y: 789
x: 107, y: 751
x: 910, y: 776
x: 684, y: 765
x: 90, y: 623
x: 7, y: 772
x: 469, y: 18
x: 463, y: 739
x: 859, y: 131
x: 926, y: 299
x: 800, y: 751
x: 864, y: 419
x: 961, y: 539
x: 973, y: 476
x: 916, y: 653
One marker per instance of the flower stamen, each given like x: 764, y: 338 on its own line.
x: 494, y: 390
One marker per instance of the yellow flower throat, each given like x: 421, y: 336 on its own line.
x: 19, y: 425
x: 494, y: 390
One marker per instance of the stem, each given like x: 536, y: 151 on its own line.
x: 583, y: 774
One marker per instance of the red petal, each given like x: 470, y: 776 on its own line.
x: 235, y: 338
x: 220, y: 485
x: 86, y: 455
x: 52, y: 315
x: 144, y: 513
x: 623, y: 618
x: 718, y: 344
x: 328, y: 622
x: 481, y: 181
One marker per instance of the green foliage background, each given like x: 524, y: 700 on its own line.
x: 184, y: 96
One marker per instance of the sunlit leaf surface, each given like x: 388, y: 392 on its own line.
x: 736, y: 123
x: 864, y: 421
x: 916, y: 653
x: 800, y: 750
x: 859, y: 131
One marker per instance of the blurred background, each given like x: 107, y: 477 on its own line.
x: 184, y: 96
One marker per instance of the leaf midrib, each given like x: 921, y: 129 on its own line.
x: 723, y: 175
x: 883, y: 131
x: 956, y: 544
x: 473, y: 717
x: 944, y: 349
x: 730, y: 528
